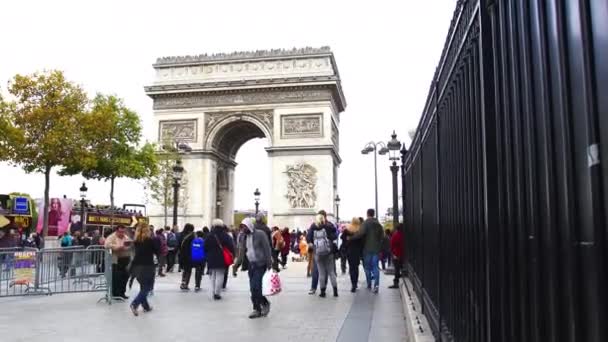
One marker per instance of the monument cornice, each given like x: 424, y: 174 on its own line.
x: 242, y: 56
x: 305, y: 150
x: 202, y: 86
x: 248, y: 96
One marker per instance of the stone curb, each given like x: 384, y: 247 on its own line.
x: 416, y: 325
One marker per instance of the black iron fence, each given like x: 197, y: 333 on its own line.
x: 505, y: 197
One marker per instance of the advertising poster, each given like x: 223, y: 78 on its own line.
x: 59, y: 215
x: 25, y: 266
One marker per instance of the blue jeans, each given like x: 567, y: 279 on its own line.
x: 371, y: 269
x: 146, y: 284
x: 315, y: 276
x: 256, y: 273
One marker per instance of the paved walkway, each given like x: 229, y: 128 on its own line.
x: 185, y: 317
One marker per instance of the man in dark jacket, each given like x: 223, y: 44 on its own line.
x: 260, y: 225
x: 397, y: 247
x: 256, y: 248
x: 185, y: 256
x: 372, y: 233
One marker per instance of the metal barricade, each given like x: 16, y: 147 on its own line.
x: 17, y: 271
x: 56, y: 270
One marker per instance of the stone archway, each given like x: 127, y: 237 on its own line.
x: 216, y: 103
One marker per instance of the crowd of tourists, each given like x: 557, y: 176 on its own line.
x: 144, y: 253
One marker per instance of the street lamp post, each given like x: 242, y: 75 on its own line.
x: 256, y: 195
x: 394, y: 146
x: 337, y: 200
x: 373, y: 147
x: 403, y: 198
x: 83, y: 196
x: 178, y: 170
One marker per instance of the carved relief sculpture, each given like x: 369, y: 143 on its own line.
x: 179, y: 130
x: 302, y: 126
x: 301, y: 183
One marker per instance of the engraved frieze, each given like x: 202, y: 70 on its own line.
x: 178, y: 130
x: 302, y: 126
x: 192, y: 100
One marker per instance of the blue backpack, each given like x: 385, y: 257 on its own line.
x: 197, y: 250
x: 66, y: 241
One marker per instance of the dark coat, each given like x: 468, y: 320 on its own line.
x: 287, y: 239
x: 213, y: 249
x: 263, y: 227
x: 185, y: 252
x: 354, y: 248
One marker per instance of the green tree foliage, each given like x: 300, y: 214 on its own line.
x: 41, y: 128
x: 160, y: 185
x: 114, y: 134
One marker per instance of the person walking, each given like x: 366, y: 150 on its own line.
x: 185, y: 255
x: 321, y: 235
x: 198, y: 258
x: 286, y: 248
x: 385, y: 250
x: 65, y: 257
x: 372, y: 233
x: 353, y: 250
x: 172, y: 248
x: 164, y: 251
x: 397, y: 247
x: 255, y: 247
x: 120, y: 245
x: 226, y: 271
x: 142, y: 267
x: 216, y: 241
x: 277, y: 244
x: 342, y: 251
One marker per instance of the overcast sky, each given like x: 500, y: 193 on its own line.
x: 386, y: 52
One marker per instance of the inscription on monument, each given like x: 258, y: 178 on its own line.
x: 179, y: 130
x: 302, y: 126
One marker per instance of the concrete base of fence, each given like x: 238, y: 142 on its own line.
x: 416, y: 325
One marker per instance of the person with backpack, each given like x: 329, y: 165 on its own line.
x: 185, y: 255
x: 255, y: 247
x: 172, y: 247
x: 321, y: 235
x: 198, y: 258
x: 65, y: 258
x: 217, y: 244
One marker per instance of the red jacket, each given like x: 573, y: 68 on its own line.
x: 397, y: 245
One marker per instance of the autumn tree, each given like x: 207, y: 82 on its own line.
x: 114, y: 134
x: 41, y: 127
x: 160, y: 185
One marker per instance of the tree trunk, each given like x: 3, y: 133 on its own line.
x: 45, y: 217
x: 165, y: 206
x: 112, y: 202
x: 112, y: 191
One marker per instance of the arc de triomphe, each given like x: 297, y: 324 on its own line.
x: 216, y: 103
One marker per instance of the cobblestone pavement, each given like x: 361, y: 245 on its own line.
x: 184, y: 317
